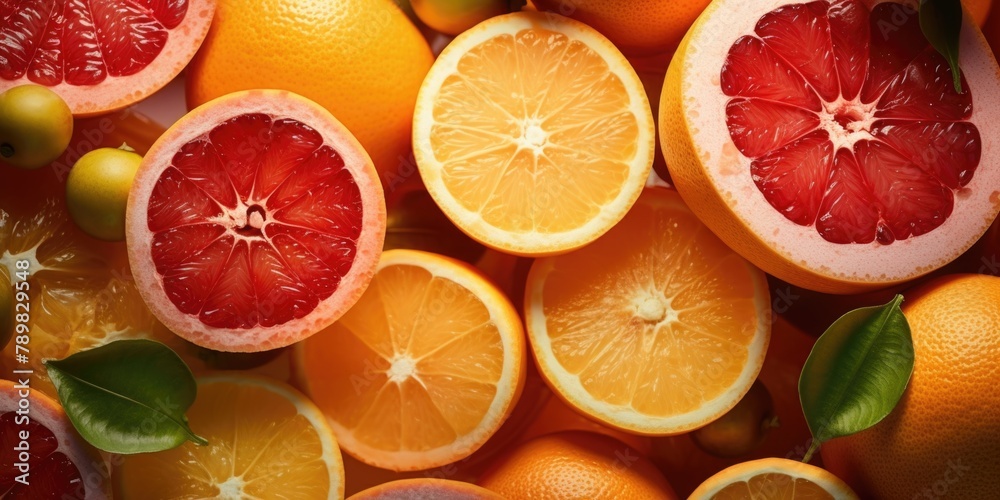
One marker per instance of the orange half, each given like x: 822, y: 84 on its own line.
x: 656, y: 328
x: 533, y: 133
x: 423, y: 369
x: 773, y: 478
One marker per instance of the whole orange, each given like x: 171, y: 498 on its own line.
x: 943, y: 439
x: 363, y: 60
x: 576, y: 464
x: 635, y: 27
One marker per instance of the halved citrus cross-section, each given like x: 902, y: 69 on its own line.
x: 533, y: 133
x: 99, y: 55
x: 656, y: 328
x: 826, y: 142
x: 423, y: 370
x: 254, y: 221
x: 57, y: 462
x: 773, y: 478
x: 265, y: 440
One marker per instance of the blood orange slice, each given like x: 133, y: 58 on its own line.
x: 825, y: 141
x: 59, y: 463
x: 254, y: 221
x: 99, y: 55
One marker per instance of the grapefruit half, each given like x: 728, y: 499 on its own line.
x: 99, y: 55
x: 60, y: 463
x: 254, y: 221
x: 826, y: 143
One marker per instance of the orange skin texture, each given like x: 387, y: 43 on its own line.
x: 635, y: 27
x: 576, y: 464
x: 362, y: 60
x: 945, y: 432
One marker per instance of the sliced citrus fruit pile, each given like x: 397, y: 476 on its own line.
x: 59, y: 463
x: 773, y: 478
x: 426, y: 488
x: 266, y: 440
x: 826, y: 141
x: 423, y: 370
x: 254, y: 221
x: 533, y: 133
x: 100, y: 55
x: 656, y: 328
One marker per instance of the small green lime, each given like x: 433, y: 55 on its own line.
x: 35, y: 126
x: 6, y: 309
x: 97, y: 191
x: 455, y: 16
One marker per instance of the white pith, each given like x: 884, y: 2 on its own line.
x: 781, y: 467
x: 728, y: 170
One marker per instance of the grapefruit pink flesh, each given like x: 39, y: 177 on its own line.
x: 236, y: 238
x: 83, y: 42
x: 52, y: 473
x: 836, y: 106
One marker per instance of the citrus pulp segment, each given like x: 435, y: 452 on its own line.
x: 265, y: 440
x: 533, y: 133
x: 656, y: 328
x: 423, y: 370
x: 254, y: 221
x: 100, y: 55
x: 773, y: 478
x: 825, y: 141
x: 61, y: 463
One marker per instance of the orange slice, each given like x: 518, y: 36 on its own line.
x: 266, y: 440
x: 533, y: 133
x: 423, y: 370
x: 426, y: 488
x: 656, y: 328
x: 773, y: 478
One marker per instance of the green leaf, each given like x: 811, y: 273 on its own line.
x: 941, y: 22
x: 857, y: 371
x: 128, y: 396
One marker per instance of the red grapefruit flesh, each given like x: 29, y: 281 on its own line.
x: 60, y: 464
x: 99, y: 55
x: 254, y: 222
x: 826, y: 141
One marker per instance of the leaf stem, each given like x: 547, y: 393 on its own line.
x: 813, y: 448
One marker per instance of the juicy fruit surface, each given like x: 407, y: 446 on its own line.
x: 259, y: 236
x: 83, y: 42
x: 944, y: 422
x: 81, y: 295
x: 61, y: 464
x: 265, y: 441
x: 837, y: 113
x: 362, y: 60
x: 576, y: 465
x: 54, y: 472
x: 773, y: 478
x: 625, y: 332
x: 536, y: 163
x: 423, y: 369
